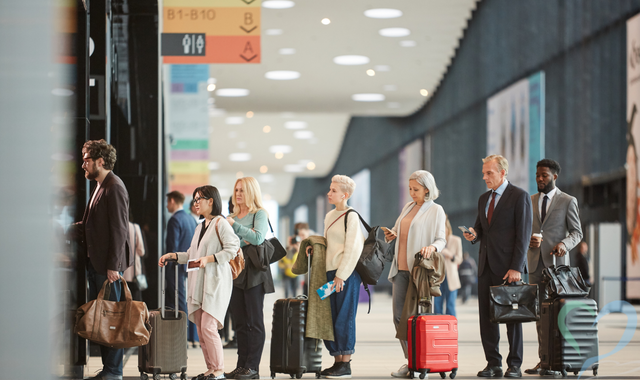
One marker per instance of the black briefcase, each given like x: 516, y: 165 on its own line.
x: 514, y: 303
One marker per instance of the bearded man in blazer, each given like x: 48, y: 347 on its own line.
x: 503, y: 229
x: 557, y: 218
x: 104, y: 231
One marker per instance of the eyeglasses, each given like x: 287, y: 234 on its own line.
x: 197, y: 200
x: 86, y: 161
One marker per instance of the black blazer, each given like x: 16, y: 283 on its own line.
x: 504, y: 243
x: 106, y: 227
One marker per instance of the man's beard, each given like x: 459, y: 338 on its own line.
x: 548, y: 187
x: 91, y: 175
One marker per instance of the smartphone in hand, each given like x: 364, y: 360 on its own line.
x: 385, y: 229
x: 466, y: 230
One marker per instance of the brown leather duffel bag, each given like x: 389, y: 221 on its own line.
x: 114, y: 324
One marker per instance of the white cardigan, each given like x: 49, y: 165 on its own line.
x: 427, y: 228
x: 209, y: 288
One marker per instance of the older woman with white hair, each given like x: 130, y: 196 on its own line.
x: 344, y: 246
x: 420, y: 228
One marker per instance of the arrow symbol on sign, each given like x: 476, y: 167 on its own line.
x: 248, y: 2
x: 248, y: 59
x: 250, y: 30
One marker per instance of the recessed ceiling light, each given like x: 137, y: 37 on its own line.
x: 213, y: 165
x: 381, y: 68
x: 303, y: 135
x: 390, y: 87
x: 249, y: 114
x: 394, y: 32
x: 278, y: 4
x: 211, y: 87
x: 264, y: 169
x: 383, y: 13
x: 371, y: 72
x: 368, y: 97
x: 293, y: 168
x: 393, y: 105
x: 282, y: 75
x: 239, y: 175
x: 287, y: 51
x: 325, y: 21
x: 295, y: 124
x: 240, y: 157
x: 234, y: 120
x: 273, y: 32
x: 280, y: 148
x: 351, y: 60
x: 266, y: 129
x: 279, y: 155
x: 424, y: 92
x: 232, y: 92
x: 311, y: 166
x: 408, y: 43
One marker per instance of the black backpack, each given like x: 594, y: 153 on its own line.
x: 374, y: 254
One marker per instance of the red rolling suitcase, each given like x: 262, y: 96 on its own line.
x: 433, y: 345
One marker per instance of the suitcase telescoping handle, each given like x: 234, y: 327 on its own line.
x: 566, y: 259
x: 162, y: 307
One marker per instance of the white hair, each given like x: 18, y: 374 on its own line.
x: 347, y: 185
x: 502, y: 162
x: 426, y: 180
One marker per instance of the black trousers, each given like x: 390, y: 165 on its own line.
x: 490, y: 332
x: 247, y: 312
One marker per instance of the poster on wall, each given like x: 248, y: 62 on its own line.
x: 633, y: 167
x: 515, y: 128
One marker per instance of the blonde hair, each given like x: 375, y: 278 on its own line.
x: 252, y: 195
x: 502, y: 162
x: 447, y: 226
x: 426, y: 180
x: 346, y: 184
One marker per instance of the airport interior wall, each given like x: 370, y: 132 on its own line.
x: 580, y: 46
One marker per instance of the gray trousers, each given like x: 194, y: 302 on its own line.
x: 399, y: 294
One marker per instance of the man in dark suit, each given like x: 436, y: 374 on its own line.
x: 105, y: 226
x: 556, y: 223
x: 180, y: 230
x: 503, y: 229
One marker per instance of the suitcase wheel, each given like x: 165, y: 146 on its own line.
x: 443, y: 375
x: 422, y: 375
x: 318, y: 375
x: 595, y: 371
x: 563, y: 372
x: 292, y: 375
x: 273, y: 375
x: 183, y: 376
x: 411, y: 374
x: 144, y: 376
x: 156, y: 376
x: 453, y: 373
x: 173, y: 376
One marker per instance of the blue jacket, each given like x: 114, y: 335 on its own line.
x: 180, y: 230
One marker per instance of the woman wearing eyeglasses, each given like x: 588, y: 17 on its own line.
x: 209, y: 289
x: 250, y: 222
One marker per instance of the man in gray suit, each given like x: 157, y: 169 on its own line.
x: 556, y: 230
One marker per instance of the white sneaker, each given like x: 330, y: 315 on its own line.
x: 402, y: 373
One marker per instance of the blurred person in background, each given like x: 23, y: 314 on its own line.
x: 289, y: 279
x: 250, y: 222
x: 452, y: 258
x: 582, y: 261
x: 130, y: 275
x: 468, y: 272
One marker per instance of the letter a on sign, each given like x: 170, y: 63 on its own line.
x: 248, y: 54
x: 248, y: 48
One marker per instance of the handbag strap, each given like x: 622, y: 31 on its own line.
x: 366, y: 226
x: 334, y: 222
x: 135, y: 244
x: 218, y: 233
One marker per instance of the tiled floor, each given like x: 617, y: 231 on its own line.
x: 378, y: 353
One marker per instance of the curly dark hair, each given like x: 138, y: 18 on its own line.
x: 101, y: 149
x: 554, y: 166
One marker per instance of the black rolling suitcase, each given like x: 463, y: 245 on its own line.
x: 291, y: 352
x: 166, y: 352
x: 569, y: 334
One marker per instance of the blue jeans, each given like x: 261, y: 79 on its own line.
x: 344, y: 307
x: 447, y: 295
x: 111, y: 357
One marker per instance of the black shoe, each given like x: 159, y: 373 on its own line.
x: 326, y: 371
x: 231, y: 344
x: 533, y: 371
x: 246, y: 373
x: 342, y: 370
x: 490, y: 371
x: 232, y: 374
x: 513, y: 371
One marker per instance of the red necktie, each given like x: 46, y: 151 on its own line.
x: 492, y: 205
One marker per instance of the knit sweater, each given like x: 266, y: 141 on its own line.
x: 343, y: 247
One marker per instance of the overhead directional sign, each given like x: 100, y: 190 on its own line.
x: 231, y: 30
